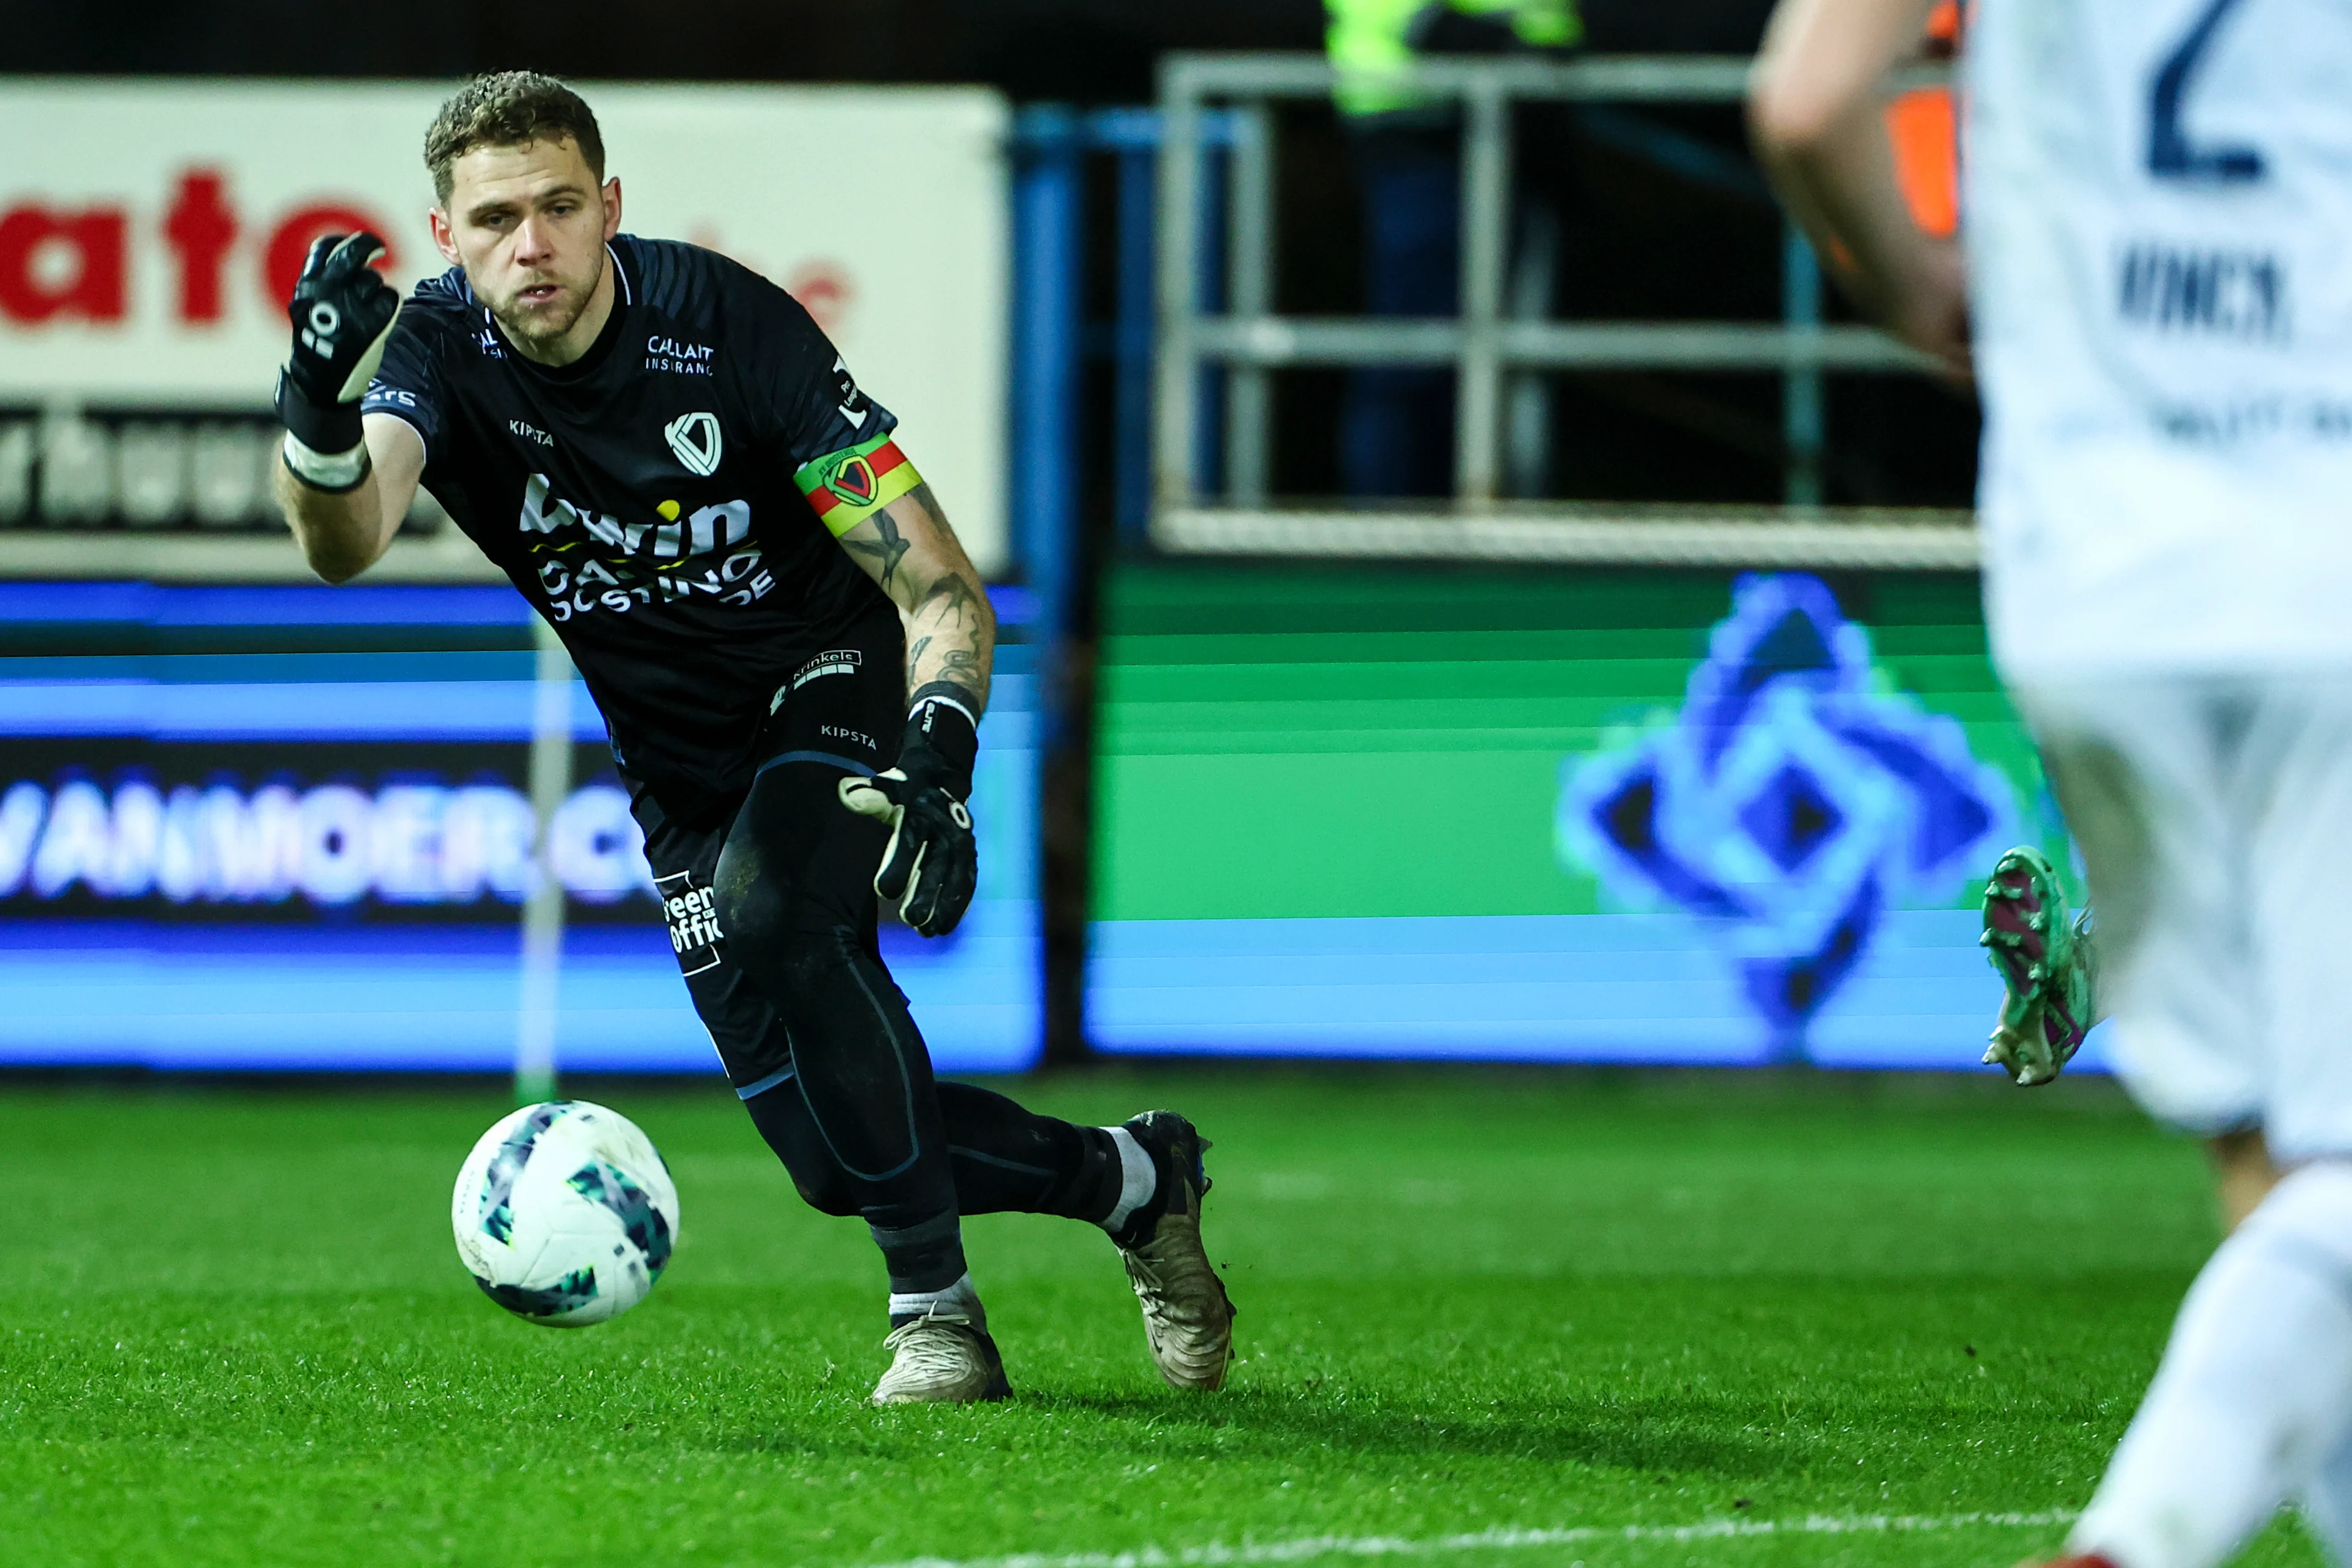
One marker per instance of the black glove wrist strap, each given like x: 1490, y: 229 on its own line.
x: 943, y: 739
x: 334, y: 428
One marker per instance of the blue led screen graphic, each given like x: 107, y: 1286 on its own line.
x: 288, y: 828
x: 1789, y: 806
x: 1674, y: 817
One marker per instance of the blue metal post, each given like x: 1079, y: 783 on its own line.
x: 1801, y: 386
x: 1048, y: 323
x: 1049, y: 291
x: 1131, y: 338
x: 1133, y: 135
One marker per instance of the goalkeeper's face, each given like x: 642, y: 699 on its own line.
x: 529, y: 225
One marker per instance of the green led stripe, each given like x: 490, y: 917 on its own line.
x: 1223, y: 685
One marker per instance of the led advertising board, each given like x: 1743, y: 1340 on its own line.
x: 147, y: 254
x: 289, y: 828
x: 1609, y: 816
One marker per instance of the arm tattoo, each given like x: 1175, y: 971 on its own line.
x: 955, y: 651
x: 960, y: 600
x: 961, y: 667
x: 951, y: 631
x: 890, y: 551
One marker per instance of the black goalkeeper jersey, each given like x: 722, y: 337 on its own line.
x: 643, y: 497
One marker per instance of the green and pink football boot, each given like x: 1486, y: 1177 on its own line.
x: 2048, y: 962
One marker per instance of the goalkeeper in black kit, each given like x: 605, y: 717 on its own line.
x: 791, y: 651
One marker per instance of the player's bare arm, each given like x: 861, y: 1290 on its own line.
x: 912, y: 554
x: 1814, y: 107
x: 344, y: 532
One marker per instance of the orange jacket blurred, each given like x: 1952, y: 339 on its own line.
x: 1925, y: 128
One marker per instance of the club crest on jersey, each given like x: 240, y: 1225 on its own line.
x: 854, y: 481
x: 694, y: 437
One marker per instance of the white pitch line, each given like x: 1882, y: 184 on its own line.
x: 1216, y: 1554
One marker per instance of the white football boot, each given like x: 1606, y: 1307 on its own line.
x: 941, y: 1358
x: 1188, y: 1320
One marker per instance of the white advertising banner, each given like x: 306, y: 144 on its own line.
x: 151, y: 232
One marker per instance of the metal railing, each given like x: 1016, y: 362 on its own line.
x: 1246, y: 341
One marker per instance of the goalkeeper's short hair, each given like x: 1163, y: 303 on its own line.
x: 506, y: 109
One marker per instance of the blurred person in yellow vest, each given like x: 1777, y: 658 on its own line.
x: 1396, y: 435
x: 1370, y: 39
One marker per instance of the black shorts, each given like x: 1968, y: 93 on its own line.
x: 841, y: 710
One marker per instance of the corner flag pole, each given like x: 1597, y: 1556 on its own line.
x: 542, y: 915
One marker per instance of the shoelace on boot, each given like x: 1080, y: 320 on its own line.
x: 928, y: 1346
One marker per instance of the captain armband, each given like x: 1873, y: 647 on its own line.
x: 848, y: 486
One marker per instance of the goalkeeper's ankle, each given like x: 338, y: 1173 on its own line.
x: 1140, y: 1204
x: 960, y: 1300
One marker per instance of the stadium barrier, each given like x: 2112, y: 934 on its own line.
x: 1226, y: 324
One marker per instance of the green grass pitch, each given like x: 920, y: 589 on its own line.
x: 1778, y: 1310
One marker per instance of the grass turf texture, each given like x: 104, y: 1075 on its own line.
x: 235, y: 1332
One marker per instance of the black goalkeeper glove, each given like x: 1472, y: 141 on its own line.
x: 930, y: 864
x: 342, y: 313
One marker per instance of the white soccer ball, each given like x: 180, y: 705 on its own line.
x: 564, y: 1214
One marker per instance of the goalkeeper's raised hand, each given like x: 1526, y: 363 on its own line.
x: 342, y: 314
x: 931, y: 863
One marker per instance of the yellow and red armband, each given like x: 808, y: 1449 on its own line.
x: 848, y: 486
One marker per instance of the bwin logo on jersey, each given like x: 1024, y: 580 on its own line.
x: 695, y: 438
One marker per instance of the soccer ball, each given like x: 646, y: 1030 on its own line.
x: 564, y: 1213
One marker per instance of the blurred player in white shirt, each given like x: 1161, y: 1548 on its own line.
x: 2157, y: 235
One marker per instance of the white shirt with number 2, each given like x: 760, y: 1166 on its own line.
x: 2158, y: 223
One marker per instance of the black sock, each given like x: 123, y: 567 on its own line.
x: 1008, y: 1159
x: 922, y: 1258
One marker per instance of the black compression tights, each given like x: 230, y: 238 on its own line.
x: 1003, y: 1159
x: 861, y: 1124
